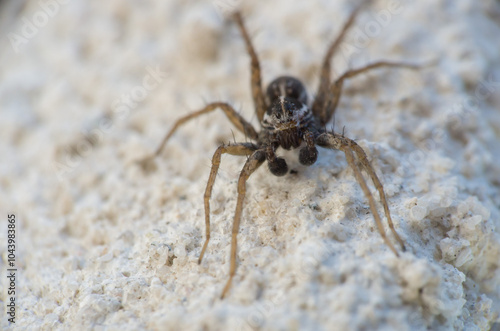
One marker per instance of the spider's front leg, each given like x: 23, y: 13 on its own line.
x: 363, y: 159
x: 240, y: 149
x: 346, y: 145
x: 253, y: 162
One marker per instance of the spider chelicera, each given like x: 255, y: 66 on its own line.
x: 288, y: 121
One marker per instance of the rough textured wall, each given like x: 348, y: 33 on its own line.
x: 87, y: 88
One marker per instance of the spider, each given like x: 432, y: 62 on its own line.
x: 288, y: 121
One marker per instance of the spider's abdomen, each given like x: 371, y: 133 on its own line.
x: 286, y: 86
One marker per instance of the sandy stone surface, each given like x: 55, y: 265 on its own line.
x: 87, y: 88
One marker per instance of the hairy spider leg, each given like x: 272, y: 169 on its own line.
x: 360, y: 153
x: 252, y: 163
x: 336, y: 87
x: 318, y: 107
x: 236, y: 119
x: 239, y: 149
x: 346, y: 145
x: 256, y: 84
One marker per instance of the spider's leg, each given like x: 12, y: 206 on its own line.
x: 336, y: 87
x: 257, y: 94
x: 253, y: 162
x: 236, y: 119
x: 237, y: 149
x: 318, y: 107
x: 335, y: 141
x: 360, y: 153
x: 359, y: 177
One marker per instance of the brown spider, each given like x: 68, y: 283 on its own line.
x: 288, y: 122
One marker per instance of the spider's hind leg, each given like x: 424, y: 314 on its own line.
x: 328, y: 94
x: 318, y: 107
x: 257, y: 94
x: 333, y: 97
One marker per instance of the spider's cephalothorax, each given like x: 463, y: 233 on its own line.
x: 286, y: 121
